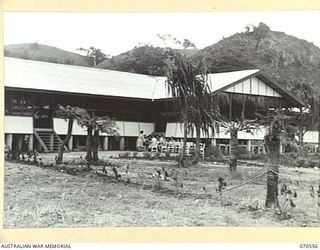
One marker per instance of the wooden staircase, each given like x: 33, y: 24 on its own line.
x: 48, y: 139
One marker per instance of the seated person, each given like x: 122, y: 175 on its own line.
x: 154, y: 142
x: 147, y: 143
x: 162, y: 141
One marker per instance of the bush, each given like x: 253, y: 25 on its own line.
x: 252, y: 157
x: 213, y: 153
x: 124, y: 155
x: 301, y: 162
x: 147, y: 155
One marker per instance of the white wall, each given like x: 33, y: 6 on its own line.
x: 124, y: 128
x: 18, y: 125
x: 311, y: 137
x: 253, y: 86
x: 60, y: 126
x: 176, y: 130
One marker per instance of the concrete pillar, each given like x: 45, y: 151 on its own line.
x: 19, y: 141
x: 249, y: 146
x: 30, y: 143
x: 122, y: 143
x: 76, y: 142
x: 51, y: 142
x: 281, y: 148
x: 9, y: 140
x: 70, y: 143
x: 105, y: 143
x: 214, y: 142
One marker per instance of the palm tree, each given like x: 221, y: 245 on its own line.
x: 188, y: 85
x: 280, y: 127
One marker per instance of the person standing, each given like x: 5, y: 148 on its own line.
x: 140, y: 142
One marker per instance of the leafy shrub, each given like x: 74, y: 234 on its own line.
x: 250, y: 156
x: 124, y: 155
x: 147, y: 155
x: 213, y: 153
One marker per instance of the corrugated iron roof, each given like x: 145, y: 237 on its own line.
x: 19, y: 73
x: 28, y: 74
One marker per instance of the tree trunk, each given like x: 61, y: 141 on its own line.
x: 301, y: 129
x: 197, y: 149
x: 273, y: 150
x: 185, y: 137
x: 319, y: 125
x: 95, y: 145
x: 319, y: 135
x: 89, y: 144
x: 234, y: 149
x: 65, y: 142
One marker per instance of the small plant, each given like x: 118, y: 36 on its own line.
x: 286, y: 203
x: 147, y: 155
x: 177, y: 183
x: 222, y: 184
x: 116, y: 173
x: 315, y: 195
x: 157, y: 177
x: 124, y: 155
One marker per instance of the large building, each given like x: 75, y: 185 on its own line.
x: 136, y: 102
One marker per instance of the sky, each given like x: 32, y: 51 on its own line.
x: 115, y: 33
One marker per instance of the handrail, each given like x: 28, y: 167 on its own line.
x: 40, y: 140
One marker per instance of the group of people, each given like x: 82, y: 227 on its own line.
x: 146, y: 143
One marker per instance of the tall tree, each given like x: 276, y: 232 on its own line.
x: 170, y: 41
x: 94, y: 54
x: 95, y: 125
x: 281, y: 127
x: 69, y: 114
x: 308, y: 117
x: 188, y: 84
x: 233, y: 127
x: 235, y: 121
x: 188, y: 44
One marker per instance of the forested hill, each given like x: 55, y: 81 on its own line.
x: 293, y: 62
x: 146, y: 59
x: 289, y: 60
x: 41, y: 52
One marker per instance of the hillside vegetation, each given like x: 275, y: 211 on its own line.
x: 289, y: 60
x: 41, y: 52
x: 293, y: 62
x: 144, y: 60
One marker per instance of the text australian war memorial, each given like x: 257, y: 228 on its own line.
x: 136, y: 102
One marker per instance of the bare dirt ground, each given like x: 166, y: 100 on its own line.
x: 46, y: 197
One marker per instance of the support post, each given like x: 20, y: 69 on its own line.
x: 76, y: 142
x: 249, y: 146
x: 30, y: 142
x: 9, y: 140
x: 122, y: 143
x: 281, y: 148
x: 51, y: 142
x: 70, y: 143
x: 105, y: 143
x: 20, y: 141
